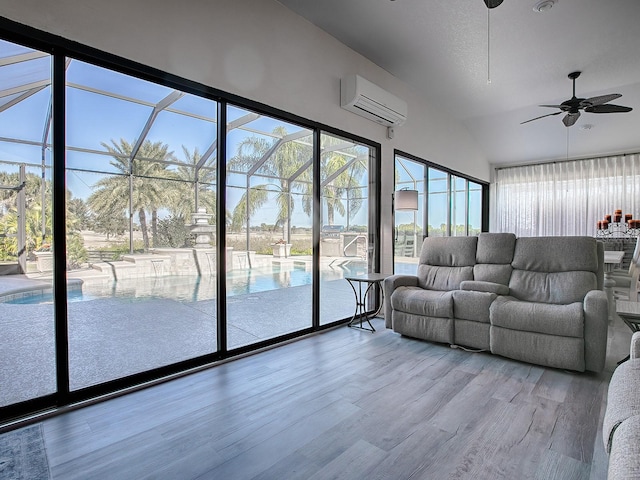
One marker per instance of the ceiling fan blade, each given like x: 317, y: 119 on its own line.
x: 570, y: 119
x: 589, y: 102
x: 608, y: 108
x: 562, y: 107
x: 542, y: 116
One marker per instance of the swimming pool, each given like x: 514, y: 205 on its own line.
x: 193, y: 288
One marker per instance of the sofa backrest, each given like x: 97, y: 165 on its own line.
x: 445, y: 262
x: 557, y: 270
x: 493, y: 257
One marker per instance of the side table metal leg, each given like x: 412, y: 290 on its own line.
x: 360, y: 312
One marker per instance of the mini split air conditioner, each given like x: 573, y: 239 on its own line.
x: 368, y: 100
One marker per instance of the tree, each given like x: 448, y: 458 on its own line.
x: 184, y: 202
x: 341, y: 173
x: 77, y: 208
x: 279, y: 159
x: 146, y: 170
x: 172, y: 232
x: 115, y: 224
x: 37, y: 239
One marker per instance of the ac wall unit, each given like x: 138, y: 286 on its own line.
x: 360, y: 96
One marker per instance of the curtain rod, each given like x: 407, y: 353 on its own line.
x: 578, y: 159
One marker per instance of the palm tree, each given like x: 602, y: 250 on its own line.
x: 341, y: 172
x: 111, y: 194
x: 185, y: 201
x: 278, y: 159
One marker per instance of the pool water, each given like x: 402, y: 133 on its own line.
x: 193, y: 288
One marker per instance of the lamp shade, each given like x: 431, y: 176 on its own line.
x: 406, y: 200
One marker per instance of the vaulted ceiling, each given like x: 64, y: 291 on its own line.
x: 441, y: 49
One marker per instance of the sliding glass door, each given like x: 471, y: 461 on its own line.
x: 269, y: 233
x: 141, y: 196
x: 27, y: 329
x: 195, y: 228
x: 346, y: 228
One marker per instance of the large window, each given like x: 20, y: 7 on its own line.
x: 135, y: 168
x: 438, y: 203
x: 449, y: 204
x: 195, y: 228
x: 346, y: 246
x: 27, y: 339
x: 409, y: 225
x: 269, y: 239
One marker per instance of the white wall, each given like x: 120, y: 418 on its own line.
x: 264, y: 52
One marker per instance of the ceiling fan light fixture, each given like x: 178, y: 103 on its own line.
x: 544, y: 6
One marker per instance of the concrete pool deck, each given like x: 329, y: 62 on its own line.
x: 113, y: 337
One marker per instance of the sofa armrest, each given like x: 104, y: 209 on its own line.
x: 634, y: 351
x: 623, y: 400
x: 596, y: 323
x: 624, y: 457
x: 481, y: 286
x: 390, y: 284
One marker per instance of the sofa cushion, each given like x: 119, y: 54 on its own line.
x: 443, y: 278
x: 539, y: 348
x: 449, y: 251
x: 559, y: 320
x: 434, y: 329
x: 446, y: 261
x: 487, y: 272
x: 472, y: 305
x: 554, y: 287
x: 478, y: 286
x: 418, y: 301
x: 493, y: 257
x: 496, y: 248
x: 555, y: 254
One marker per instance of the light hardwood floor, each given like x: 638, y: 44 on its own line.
x: 347, y: 404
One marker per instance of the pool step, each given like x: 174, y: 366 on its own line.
x: 117, y: 269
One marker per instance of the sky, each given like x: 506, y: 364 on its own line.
x: 94, y: 119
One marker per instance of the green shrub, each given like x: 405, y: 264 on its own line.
x: 172, y: 232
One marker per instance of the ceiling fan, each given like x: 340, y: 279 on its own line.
x: 573, y: 106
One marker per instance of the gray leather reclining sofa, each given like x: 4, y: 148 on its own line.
x: 534, y: 299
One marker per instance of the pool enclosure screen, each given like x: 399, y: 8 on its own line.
x: 149, y: 226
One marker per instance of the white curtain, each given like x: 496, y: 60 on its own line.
x: 564, y: 198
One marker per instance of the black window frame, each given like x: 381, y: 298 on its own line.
x: 450, y: 173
